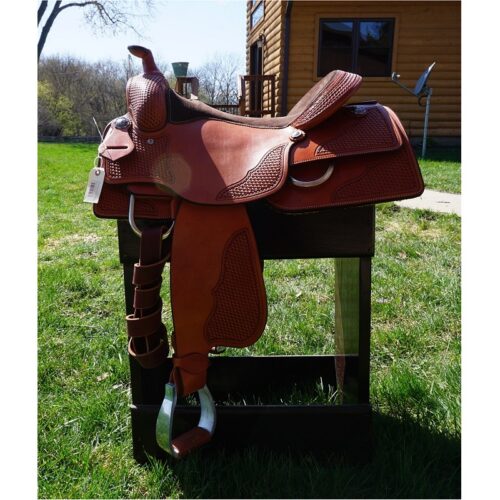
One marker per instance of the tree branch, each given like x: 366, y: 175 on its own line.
x: 104, y: 13
x: 48, y: 25
x: 81, y: 4
x: 41, y: 10
x: 100, y: 14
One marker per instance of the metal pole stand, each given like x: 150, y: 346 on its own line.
x: 426, y: 120
x: 420, y: 91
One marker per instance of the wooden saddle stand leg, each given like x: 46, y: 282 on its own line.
x: 217, y: 194
x: 344, y: 234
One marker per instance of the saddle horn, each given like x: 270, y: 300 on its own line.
x: 146, y: 93
x: 148, y: 61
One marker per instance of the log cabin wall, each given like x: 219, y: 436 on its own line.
x: 271, y: 28
x: 423, y: 32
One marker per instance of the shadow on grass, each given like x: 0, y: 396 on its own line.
x: 440, y: 153
x: 408, y: 461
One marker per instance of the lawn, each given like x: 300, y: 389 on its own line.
x: 441, y: 170
x: 84, y: 436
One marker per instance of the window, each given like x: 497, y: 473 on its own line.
x: 362, y: 46
x: 257, y: 14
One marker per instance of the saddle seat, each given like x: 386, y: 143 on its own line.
x: 321, y: 102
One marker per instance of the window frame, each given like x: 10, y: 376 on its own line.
x: 254, y: 5
x: 355, y: 48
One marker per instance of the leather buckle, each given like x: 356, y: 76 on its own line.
x: 189, y: 441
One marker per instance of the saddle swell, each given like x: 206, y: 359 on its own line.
x: 187, y: 164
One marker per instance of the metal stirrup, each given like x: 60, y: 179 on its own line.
x: 315, y: 182
x: 133, y: 225
x: 165, y: 420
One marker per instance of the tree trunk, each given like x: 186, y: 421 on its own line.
x: 48, y: 25
x: 41, y: 10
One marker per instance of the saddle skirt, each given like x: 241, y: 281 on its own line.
x: 181, y: 160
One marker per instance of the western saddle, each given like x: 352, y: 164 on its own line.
x: 193, y: 169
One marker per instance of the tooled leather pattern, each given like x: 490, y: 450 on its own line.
x: 145, y: 159
x: 337, y: 91
x: 371, y: 132
x: 146, y: 100
x: 260, y: 179
x: 236, y: 314
x: 389, y: 176
x: 114, y: 202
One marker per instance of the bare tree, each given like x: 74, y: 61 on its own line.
x: 219, y: 79
x: 105, y: 14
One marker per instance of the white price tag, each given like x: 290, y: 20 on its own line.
x: 94, y: 186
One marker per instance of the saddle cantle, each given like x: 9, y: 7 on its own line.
x: 182, y: 162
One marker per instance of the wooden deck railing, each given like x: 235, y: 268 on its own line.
x: 234, y: 109
x: 258, y: 95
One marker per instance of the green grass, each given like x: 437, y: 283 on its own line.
x: 441, y: 170
x: 84, y: 423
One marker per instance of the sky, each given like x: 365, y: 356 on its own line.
x: 185, y: 30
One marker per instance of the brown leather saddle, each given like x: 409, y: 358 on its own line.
x: 193, y: 169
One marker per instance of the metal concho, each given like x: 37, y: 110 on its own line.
x: 122, y: 123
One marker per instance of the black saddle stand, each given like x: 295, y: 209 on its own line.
x: 348, y: 236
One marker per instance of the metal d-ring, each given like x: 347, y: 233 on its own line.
x: 133, y: 225
x: 315, y: 182
x: 165, y: 419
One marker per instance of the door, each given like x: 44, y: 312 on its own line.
x: 256, y: 86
